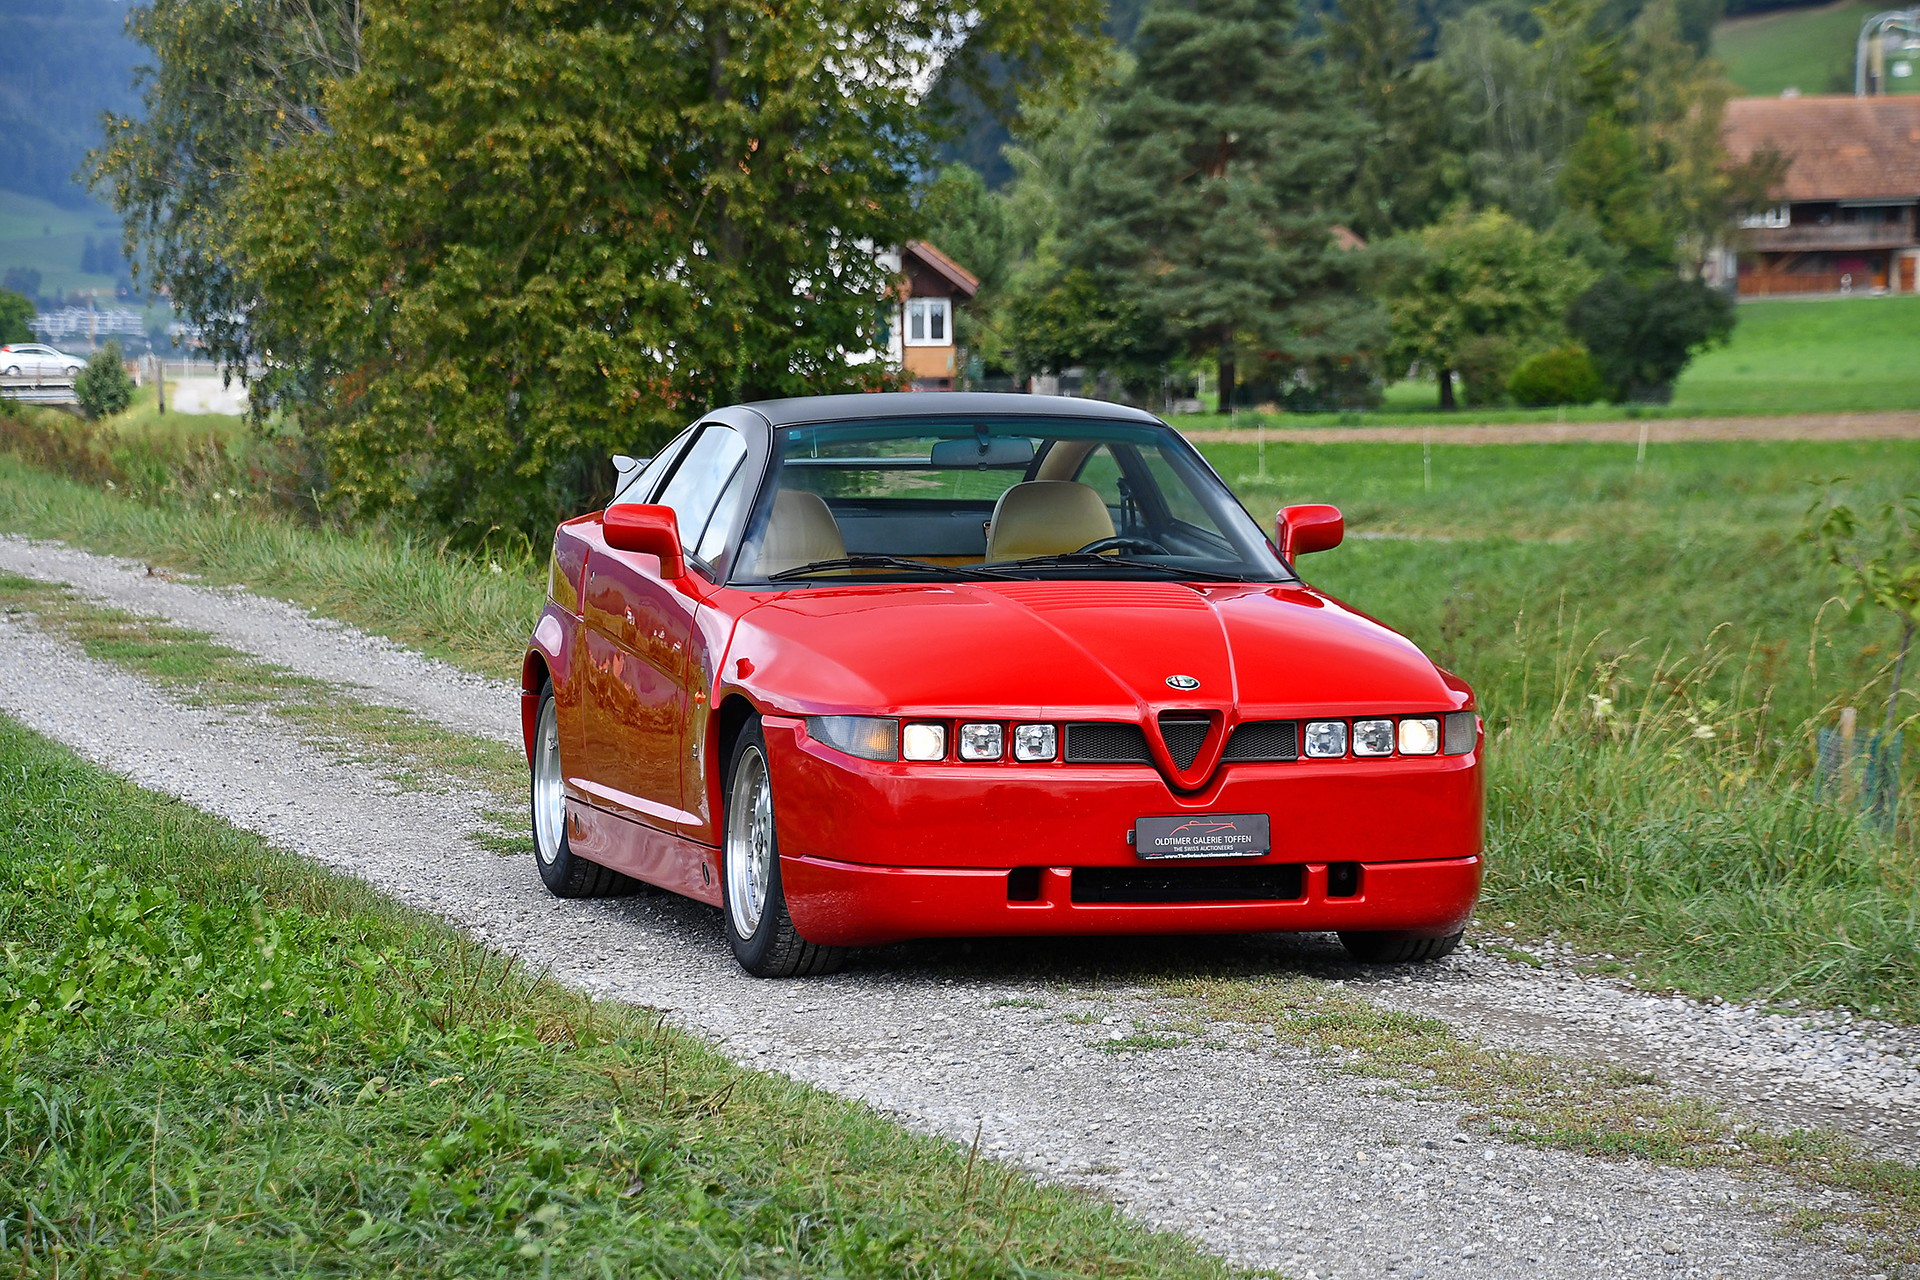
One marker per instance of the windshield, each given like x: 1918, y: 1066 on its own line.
x: 926, y: 498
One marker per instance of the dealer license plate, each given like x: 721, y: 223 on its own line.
x: 1213, y: 835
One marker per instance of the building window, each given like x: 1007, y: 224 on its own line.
x: 929, y: 322
x: 1779, y: 216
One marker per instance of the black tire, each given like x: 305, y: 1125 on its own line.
x: 1397, y: 947
x: 753, y: 904
x: 11, y: 371
x: 73, y: 371
x: 565, y: 874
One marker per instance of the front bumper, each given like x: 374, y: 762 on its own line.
x: 873, y: 853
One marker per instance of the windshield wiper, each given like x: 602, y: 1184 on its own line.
x: 881, y: 562
x: 1092, y: 559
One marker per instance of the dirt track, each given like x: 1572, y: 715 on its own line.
x: 1903, y: 425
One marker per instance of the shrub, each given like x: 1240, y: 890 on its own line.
x: 103, y: 387
x: 1563, y: 375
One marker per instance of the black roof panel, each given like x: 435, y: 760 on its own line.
x: 805, y: 410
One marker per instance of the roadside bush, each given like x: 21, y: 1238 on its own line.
x: 1563, y: 375
x: 103, y: 387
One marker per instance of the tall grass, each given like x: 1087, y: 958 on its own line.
x: 1666, y: 809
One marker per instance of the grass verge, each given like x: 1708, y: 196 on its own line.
x: 217, y: 1058
x: 472, y: 611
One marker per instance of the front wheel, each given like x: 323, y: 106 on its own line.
x: 565, y: 874
x: 11, y: 371
x: 73, y: 371
x: 1396, y: 947
x: 759, y: 929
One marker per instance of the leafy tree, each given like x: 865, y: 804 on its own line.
x: 1674, y: 100
x: 536, y: 231
x: 1643, y: 333
x: 968, y: 223
x: 1518, y: 103
x: 228, y: 83
x: 1209, y: 202
x: 1060, y: 316
x: 103, y: 387
x: 1606, y: 180
x: 1471, y: 278
x: 16, y: 313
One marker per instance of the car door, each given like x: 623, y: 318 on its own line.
x: 646, y: 678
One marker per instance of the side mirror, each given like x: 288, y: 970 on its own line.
x: 1313, y: 526
x: 649, y: 530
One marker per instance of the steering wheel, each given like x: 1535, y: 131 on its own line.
x: 1122, y: 542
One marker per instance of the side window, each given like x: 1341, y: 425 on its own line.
x: 648, y: 479
x: 714, y: 458
x: 713, y: 543
x: 1102, y: 471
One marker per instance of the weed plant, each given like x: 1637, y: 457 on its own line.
x: 217, y: 1059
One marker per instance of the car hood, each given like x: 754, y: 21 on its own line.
x: 1068, y: 649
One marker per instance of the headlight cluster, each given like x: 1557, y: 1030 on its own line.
x: 1452, y: 734
x: 881, y: 738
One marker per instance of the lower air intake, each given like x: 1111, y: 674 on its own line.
x: 1268, y: 883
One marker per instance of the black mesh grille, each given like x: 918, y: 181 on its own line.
x: 1184, y: 736
x: 1267, y: 883
x: 1101, y: 742
x: 1264, y: 740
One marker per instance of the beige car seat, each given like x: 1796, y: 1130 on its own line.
x: 1046, y: 517
x: 800, y: 531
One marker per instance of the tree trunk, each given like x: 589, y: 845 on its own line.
x: 1446, y: 390
x: 1226, y: 377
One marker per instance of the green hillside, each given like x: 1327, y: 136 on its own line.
x: 49, y: 239
x: 1807, y: 49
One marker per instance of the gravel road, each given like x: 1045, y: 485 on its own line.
x: 1269, y: 1155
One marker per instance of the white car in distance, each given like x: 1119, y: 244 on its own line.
x: 37, y: 360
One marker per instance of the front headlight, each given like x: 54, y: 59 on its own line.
x: 1419, y: 737
x: 869, y: 737
x: 1326, y: 738
x: 924, y: 741
x: 981, y: 741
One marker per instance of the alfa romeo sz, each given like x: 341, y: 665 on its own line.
x: 857, y: 669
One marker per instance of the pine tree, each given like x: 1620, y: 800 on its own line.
x: 1210, y: 210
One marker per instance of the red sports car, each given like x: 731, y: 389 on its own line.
x: 863, y: 668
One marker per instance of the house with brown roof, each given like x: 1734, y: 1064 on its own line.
x: 1844, y: 221
x: 920, y: 339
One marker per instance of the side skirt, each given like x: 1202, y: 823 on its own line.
x: 660, y: 858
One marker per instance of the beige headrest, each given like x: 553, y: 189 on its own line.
x: 1046, y: 517
x: 800, y: 531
